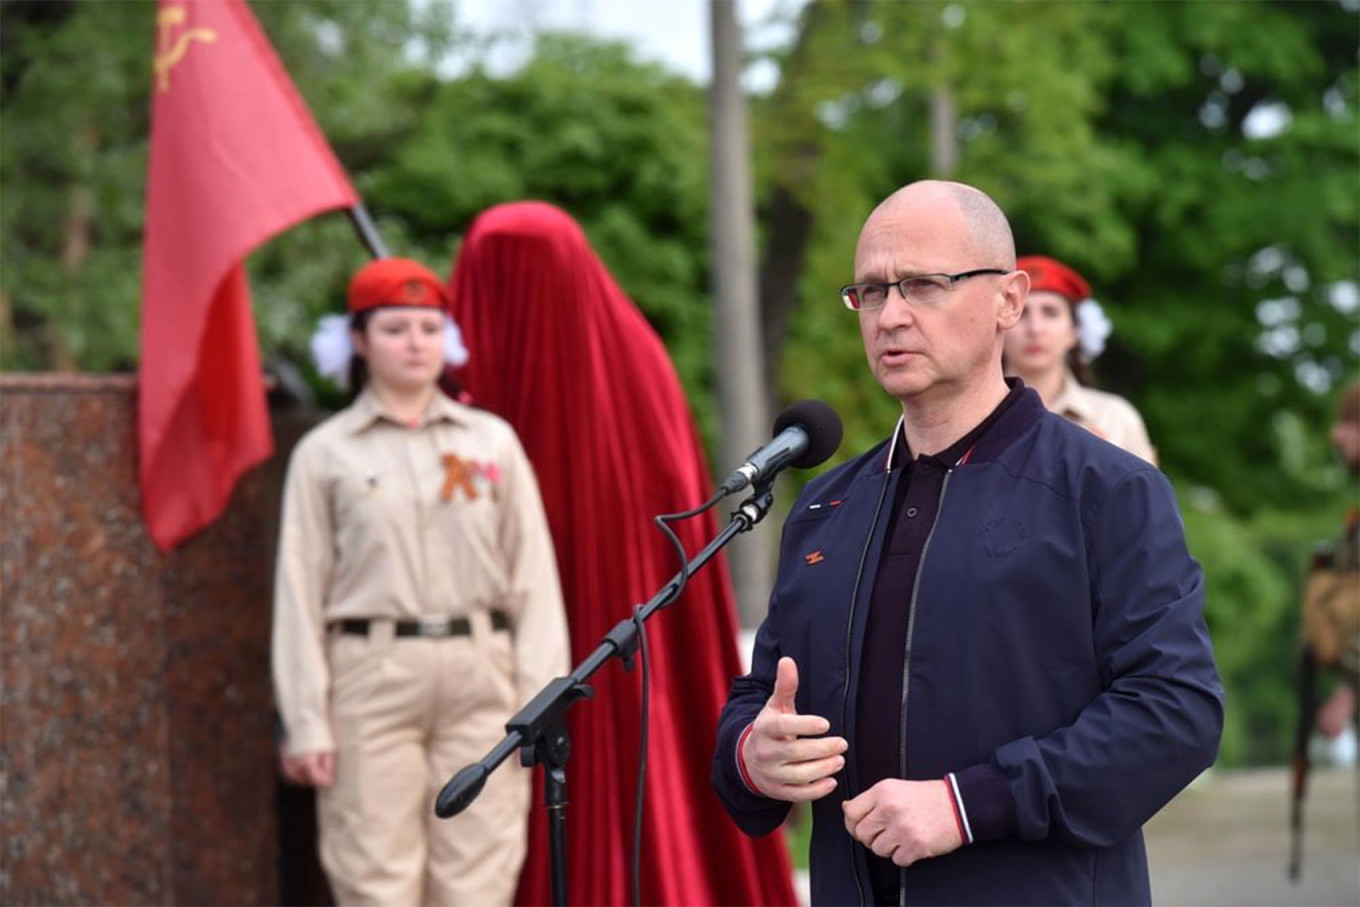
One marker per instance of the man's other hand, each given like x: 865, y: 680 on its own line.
x: 904, y: 821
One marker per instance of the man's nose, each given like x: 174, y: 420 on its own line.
x: 895, y: 309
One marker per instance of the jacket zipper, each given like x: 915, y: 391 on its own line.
x: 849, y: 633
x: 906, y: 664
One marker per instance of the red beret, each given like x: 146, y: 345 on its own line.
x: 395, y: 282
x: 1050, y: 275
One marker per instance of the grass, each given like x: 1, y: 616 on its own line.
x: 798, y: 834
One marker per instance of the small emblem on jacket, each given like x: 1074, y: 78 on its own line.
x: 472, y: 477
x: 815, y: 557
x: 1001, y: 537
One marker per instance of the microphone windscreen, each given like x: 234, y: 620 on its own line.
x: 823, y: 429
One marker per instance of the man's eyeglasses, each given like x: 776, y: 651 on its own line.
x: 924, y: 289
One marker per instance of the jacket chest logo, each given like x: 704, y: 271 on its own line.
x: 1001, y: 538
x: 815, y: 557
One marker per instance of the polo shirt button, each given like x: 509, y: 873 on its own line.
x: 911, y: 511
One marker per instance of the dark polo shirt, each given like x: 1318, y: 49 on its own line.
x: 878, y: 726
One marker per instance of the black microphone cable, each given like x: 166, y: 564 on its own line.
x: 662, y: 522
x: 823, y: 429
x: 642, y: 758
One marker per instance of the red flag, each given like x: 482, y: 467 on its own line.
x: 235, y: 159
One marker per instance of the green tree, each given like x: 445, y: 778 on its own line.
x: 72, y: 162
x: 850, y: 121
x: 1198, y: 161
x: 1118, y: 137
x: 618, y: 144
x: 1225, y: 310
x: 75, y: 81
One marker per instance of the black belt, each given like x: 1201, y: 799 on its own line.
x: 428, y: 627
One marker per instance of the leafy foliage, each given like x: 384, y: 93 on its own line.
x: 72, y: 172
x: 618, y: 144
x: 75, y: 115
x: 1116, y: 137
x: 1199, y: 163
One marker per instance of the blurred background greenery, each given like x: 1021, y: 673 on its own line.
x: 1199, y: 162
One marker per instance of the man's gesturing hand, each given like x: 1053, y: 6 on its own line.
x: 783, y: 757
x: 904, y: 821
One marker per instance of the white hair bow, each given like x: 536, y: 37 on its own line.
x: 1093, y: 328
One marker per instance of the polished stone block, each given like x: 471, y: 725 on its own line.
x: 136, y: 736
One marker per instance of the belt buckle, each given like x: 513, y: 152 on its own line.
x: 432, y: 625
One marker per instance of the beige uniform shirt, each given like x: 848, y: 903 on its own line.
x: 1112, y: 418
x: 385, y: 520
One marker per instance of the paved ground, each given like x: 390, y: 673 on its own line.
x: 1225, y: 841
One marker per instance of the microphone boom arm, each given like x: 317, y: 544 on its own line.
x: 539, y: 729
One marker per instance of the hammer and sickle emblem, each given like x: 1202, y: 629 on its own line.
x: 457, y: 475
x: 172, y: 48
x: 415, y: 292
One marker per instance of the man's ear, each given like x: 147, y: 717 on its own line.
x: 1011, y: 305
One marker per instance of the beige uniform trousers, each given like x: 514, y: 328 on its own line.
x: 407, y: 714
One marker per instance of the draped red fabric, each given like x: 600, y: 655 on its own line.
x: 559, y: 351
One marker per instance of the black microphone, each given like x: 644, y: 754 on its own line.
x: 805, y: 435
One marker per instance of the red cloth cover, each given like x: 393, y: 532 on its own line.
x: 559, y: 350
x: 235, y: 158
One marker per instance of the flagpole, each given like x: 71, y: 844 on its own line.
x: 368, y: 233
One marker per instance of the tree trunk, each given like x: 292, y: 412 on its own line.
x: 789, y: 220
x: 944, y: 132
x: 75, y: 247
x: 737, y: 317
x: 780, y: 273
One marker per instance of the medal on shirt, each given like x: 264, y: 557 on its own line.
x: 470, y: 477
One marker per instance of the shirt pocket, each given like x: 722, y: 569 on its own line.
x: 468, y: 511
x: 363, y: 504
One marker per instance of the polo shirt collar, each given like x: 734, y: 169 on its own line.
x: 1020, y: 410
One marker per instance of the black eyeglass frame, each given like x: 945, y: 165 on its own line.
x: 848, y: 290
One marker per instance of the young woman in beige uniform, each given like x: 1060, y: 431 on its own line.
x: 1061, y: 331
x: 416, y: 608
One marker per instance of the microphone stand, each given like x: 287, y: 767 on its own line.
x: 539, y: 729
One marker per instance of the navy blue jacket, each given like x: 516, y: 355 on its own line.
x: 1057, y: 662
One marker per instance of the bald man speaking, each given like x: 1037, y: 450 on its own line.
x: 985, y: 662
